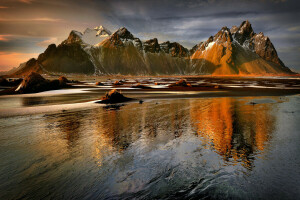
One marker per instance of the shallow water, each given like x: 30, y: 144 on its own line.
x: 214, y: 148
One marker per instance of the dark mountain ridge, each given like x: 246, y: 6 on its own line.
x: 235, y: 51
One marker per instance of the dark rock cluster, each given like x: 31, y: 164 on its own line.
x: 34, y: 82
x: 10, y: 83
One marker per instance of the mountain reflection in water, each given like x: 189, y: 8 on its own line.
x: 234, y: 129
x: 182, y: 148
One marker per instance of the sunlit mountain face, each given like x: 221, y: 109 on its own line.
x: 235, y: 51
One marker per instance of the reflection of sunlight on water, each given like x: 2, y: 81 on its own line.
x: 180, y: 92
x: 233, y: 128
x: 173, y: 145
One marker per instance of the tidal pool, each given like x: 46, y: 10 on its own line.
x: 193, y: 148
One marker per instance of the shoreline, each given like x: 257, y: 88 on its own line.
x: 296, y: 75
x: 159, y: 96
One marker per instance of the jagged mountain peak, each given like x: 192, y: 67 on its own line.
x: 119, y: 38
x: 101, y: 30
x: 246, y: 27
x: 151, y: 46
x: 263, y: 47
x: 257, y: 43
x: 234, y: 29
x: 74, y: 32
x: 124, y: 33
x: 244, y: 32
x: 174, y: 48
x: 74, y: 37
x: 260, y: 34
x: 97, y: 28
x: 98, y: 31
x: 166, y: 42
x: 153, y: 41
x: 89, y: 36
x: 224, y: 35
x: 230, y: 51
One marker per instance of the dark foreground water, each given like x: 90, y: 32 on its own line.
x: 210, y: 148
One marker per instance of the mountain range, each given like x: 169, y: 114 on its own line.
x: 235, y: 51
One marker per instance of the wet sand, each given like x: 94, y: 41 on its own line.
x: 218, y: 139
x: 166, y: 148
x: 83, y: 95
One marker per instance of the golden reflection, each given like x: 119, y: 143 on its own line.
x: 232, y: 126
x: 114, y: 130
x: 67, y: 125
x: 150, y: 124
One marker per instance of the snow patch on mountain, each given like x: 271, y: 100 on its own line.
x: 102, y: 31
x: 210, y: 45
x: 94, y: 36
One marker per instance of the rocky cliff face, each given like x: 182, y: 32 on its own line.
x: 175, y: 49
x: 151, y: 46
x: 215, y: 56
x: 123, y: 53
x: 74, y: 37
x: 257, y: 43
x: 66, y: 58
x: 243, y: 33
x: 238, y: 50
x: 263, y: 47
x: 88, y: 37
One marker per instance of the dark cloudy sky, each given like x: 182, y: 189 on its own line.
x: 28, y: 26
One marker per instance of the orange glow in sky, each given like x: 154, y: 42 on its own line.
x: 9, y: 59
